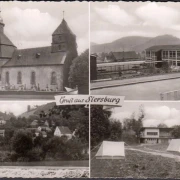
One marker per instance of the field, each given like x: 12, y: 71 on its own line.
x: 137, y: 165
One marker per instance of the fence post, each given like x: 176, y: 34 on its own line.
x: 161, y: 96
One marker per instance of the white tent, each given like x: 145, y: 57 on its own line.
x: 174, y: 145
x: 111, y: 150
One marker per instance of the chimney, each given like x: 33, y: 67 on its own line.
x: 28, y: 108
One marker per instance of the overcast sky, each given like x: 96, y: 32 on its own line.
x: 18, y: 107
x: 31, y: 24
x: 113, y: 20
x: 155, y: 112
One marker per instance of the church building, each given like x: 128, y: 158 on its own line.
x: 41, y: 68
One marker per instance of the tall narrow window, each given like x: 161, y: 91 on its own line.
x: 33, y: 78
x: 53, y: 78
x: 59, y: 47
x: 19, y: 78
x: 7, y: 77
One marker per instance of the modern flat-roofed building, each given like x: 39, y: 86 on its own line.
x: 158, y: 54
x: 155, y: 135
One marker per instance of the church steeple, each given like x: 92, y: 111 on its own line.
x: 1, y: 23
x: 63, y: 39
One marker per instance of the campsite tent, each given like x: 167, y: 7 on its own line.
x: 111, y: 150
x: 174, y: 145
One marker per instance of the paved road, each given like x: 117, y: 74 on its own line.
x: 141, y: 91
x: 163, y: 154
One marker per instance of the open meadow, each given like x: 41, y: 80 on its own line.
x: 137, y: 164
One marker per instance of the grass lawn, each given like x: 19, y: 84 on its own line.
x: 136, y: 165
x: 84, y: 163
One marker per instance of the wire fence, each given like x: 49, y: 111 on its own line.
x: 170, y: 95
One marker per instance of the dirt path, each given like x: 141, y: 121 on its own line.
x: 163, y: 154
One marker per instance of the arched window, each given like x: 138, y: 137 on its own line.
x: 19, y: 78
x: 53, y: 78
x: 7, y: 77
x: 33, y: 78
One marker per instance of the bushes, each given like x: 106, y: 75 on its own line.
x: 22, y: 142
x: 26, y: 148
x: 36, y: 154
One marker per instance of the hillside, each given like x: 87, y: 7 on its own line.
x: 37, y: 111
x: 135, y: 43
x: 159, y: 40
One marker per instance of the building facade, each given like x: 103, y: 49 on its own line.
x: 164, y: 53
x: 41, y: 68
x: 63, y: 131
x: 153, y: 135
x: 123, y: 56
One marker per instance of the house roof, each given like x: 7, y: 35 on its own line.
x: 125, y: 55
x: 64, y: 129
x: 161, y: 128
x: 63, y: 28
x: 34, y: 123
x: 28, y: 57
x: 44, y: 133
x: 5, y: 40
x: 163, y: 47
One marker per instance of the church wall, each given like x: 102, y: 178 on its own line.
x: 43, y: 76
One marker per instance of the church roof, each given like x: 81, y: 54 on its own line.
x: 64, y: 130
x: 63, y: 28
x: 36, y: 57
x: 5, y: 40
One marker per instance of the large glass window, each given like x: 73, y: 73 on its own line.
x: 172, y: 54
x: 19, y: 78
x: 152, y: 133
x: 53, y: 78
x: 7, y: 77
x: 33, y: 78
x: 178, y: 54
x: 165, y: 54
x: 147, y: 53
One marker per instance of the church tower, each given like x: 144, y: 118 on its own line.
x: 63, y: 39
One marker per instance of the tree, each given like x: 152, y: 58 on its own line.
x: 176, y: 132
x: 55, y: 146
x: 79, y: 73
x: 135, y: 124
x: 99, y: 125
x: 161, y: 125
x: 22, y: 142
x: 115, y: 130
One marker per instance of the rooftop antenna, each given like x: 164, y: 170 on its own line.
x: 63, y: 14
x: 123, y: 52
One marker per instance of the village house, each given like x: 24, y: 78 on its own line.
x: 40, y: 68
x: 44, y: 128
x: 2, y: 132
x: 155, y: 135
x: 122, y: 56
x: 164, y: 53
x: 34, y: 124
x: 63, y: 131
x: 2, y: 121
